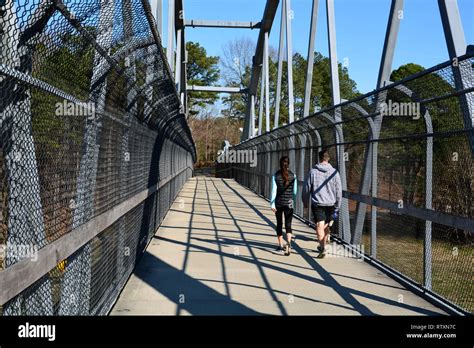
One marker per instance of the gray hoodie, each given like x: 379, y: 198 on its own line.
x: 324, y: 184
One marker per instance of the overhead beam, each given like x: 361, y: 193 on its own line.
x: 216, y: 89
x: 198, y: 23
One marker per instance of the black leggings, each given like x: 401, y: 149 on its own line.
x: 288, y: 217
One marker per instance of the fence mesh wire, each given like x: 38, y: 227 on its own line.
x: 417, y: 134
x: 90, y: 120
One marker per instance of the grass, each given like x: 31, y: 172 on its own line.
x: 452, y: 263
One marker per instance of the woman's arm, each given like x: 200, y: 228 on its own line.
x: 295, y: 189
x: 274, y: 193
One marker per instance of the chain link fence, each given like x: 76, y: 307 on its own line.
x: 405, y: 155
x: 94, y: 149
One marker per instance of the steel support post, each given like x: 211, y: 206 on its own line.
x: 373, y: 162
x: 246, y: 133
x: 177, y: 76
x: 309, y: 69
x: 266, y: 25
x: 301, y: 173
x: 289, y: 59
x: 157, y: 11
x: 310, y: 166
x: 268, y: 160
x: 171, y: 28
x: 427, y: 247
x: 320, y: 142
x: 251, y: 130
x: 334, y: 70
x: 344, y: 230
x: 267, y: 84
x: 149, y: 79
x: 281, y: 54
x: 390, y: 42
x: 463, y: 72
x: 291, y: 150
x: 261, y: 104
x: 371, y: 153
x: 131, y: 59
x: 75, y: 287
x: 181, y: 55
x: 184, y: 74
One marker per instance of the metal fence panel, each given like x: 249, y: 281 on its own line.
x: 89, y: 118
x: 416, y: 215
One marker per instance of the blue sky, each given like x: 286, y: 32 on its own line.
x: 360, y: 30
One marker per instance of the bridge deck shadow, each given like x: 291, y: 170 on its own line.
x: 214, y: 254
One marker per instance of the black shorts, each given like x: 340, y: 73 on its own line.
x: 322, y: 213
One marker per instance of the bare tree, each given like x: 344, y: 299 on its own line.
x: 236, y: 58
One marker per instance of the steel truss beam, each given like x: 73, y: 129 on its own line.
x: 267, y: 22
x: 369, y: 170
x: 463, y: 73
x: 181, y: 55
x: 309, y: 69
x: 216, y: 89
x: 196, y: 23
x: 157, y: 10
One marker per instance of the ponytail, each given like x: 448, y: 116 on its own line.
x: 284, y: 164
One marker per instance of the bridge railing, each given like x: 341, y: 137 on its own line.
x: 406, y: 162
x: 94, y: 149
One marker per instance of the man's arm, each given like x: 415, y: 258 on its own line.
x: 338, y: 190
x: 274, y: 193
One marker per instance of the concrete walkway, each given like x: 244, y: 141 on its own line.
x: 214, y: 254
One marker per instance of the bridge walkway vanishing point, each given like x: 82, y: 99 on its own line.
x: 214, y: 254
x: 95, y: 146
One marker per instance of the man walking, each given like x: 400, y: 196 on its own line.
x: 323, y: 183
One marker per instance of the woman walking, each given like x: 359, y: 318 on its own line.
x: 284, y: 188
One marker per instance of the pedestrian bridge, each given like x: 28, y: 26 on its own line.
x: 101, y: 211
x: 214, y: 254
